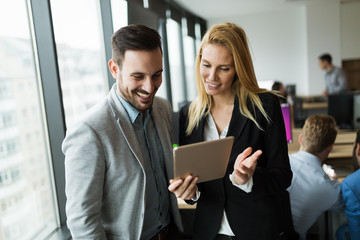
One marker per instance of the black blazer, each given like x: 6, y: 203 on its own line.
x: 256, y: 215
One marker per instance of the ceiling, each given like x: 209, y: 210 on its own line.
x: 211, y: 9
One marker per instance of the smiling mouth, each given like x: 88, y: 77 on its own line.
x: 211, y: 85
x: 144, y: 96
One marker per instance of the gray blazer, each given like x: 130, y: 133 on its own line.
x: 105, y: 177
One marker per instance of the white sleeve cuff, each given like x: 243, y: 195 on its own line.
x: 197, y: 196
x: 246, y: 187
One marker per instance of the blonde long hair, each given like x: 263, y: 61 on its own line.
x: 245, y: 84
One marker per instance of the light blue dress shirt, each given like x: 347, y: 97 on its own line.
x: 312, y: 192
x: 335, y: 81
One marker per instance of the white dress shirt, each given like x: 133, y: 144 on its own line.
x: 312, y: 192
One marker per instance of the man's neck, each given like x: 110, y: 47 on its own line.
x: 321, y: 156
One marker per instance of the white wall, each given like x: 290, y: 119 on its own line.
x: 286, y: 42
x: 350, y: 30
x: 322, y: 36
x: 275, y: 55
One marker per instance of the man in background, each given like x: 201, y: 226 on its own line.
x: 118, y: 158
x: 312, y: 191
x: 335, y: 79
x: 279, y: 87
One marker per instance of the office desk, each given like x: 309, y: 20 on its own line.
x: 183, y: 205
x: 311, y: 108
x: 343, y: 145
x: 314, y: 105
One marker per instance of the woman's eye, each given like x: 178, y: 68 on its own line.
x: 224, y: 69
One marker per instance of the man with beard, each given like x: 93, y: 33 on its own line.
x: 118, y: 158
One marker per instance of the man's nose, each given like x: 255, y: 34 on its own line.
x: 148, y: 85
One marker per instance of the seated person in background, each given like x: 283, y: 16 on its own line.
x: 278, y: 86
x: 312, y: 191
x: 335, y: 79
x: 350, y: 188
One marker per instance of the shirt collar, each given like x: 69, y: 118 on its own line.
x: 310, y: 158
x: 132, y: 112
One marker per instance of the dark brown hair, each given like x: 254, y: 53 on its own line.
x: 326, y: 57
x: 133, y: 37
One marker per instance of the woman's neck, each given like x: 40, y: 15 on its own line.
x: 221, y: 111
x: 220, y: 101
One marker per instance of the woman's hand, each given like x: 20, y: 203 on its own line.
x: 245, y: 165
x: 184, y: 189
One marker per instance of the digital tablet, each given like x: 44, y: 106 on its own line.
x: 207, y: 160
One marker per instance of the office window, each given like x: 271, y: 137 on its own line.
x: 27, y: 206
x: 197, y: 36
x: 189, y: 55
x: 119, y: 11
x: 173, y: 29
x: 81, y: 55
x: 163, y: 89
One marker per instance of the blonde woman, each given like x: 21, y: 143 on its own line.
x: 245, y: 203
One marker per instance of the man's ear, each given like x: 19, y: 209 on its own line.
x: 114, y: 68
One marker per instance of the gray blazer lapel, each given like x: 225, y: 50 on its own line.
x: 124, y: 124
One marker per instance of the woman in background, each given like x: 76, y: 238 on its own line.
x: 246, y: 203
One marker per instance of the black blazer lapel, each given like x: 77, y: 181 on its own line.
x: 237, y: 122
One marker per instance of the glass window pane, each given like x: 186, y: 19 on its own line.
x: 173, y: 36
x: 27, y: 206
x: 189, y: 56
x: 81, y: 55
x: 197, y: 36
x: 119, y: 11
x: 163, y: 87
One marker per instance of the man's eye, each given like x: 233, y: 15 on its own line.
x: 138, y: 76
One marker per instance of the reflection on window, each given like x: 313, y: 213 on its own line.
x: 27, y: 206
x: 119, y: 14
x: 189, y: 55
x: 163, y: 87
x: 81, y: 55
x: 197, y: 36
x: 173, y: 36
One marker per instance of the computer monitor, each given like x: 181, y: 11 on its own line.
x: 285, y: 109
x: 291, y: 89
x: 341, y: 107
